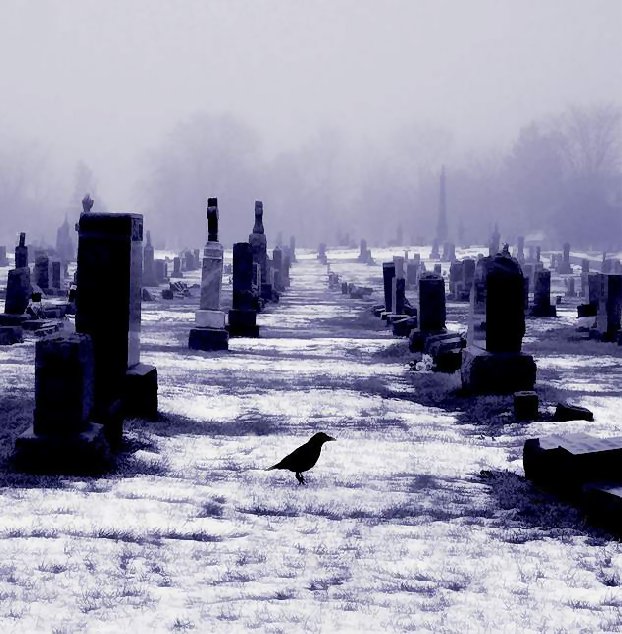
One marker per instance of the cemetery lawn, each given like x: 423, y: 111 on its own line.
x: 417, y: 519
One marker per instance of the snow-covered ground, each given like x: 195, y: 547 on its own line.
x: 416, y: 519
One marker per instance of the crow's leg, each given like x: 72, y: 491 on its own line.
x: 300, y: 478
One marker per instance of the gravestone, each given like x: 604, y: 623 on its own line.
x: 542, y: 295
x: 56, y: 275
x: 21, y: 252
x: 18, y: 291
x: 321, y: 253
x: 257, y: 240
x: 456, y: 275
x: 438, y: 269
x: 63, y: 437
x: 520, y: 249
x: 449, y: 252
x: 495, y: 242
x: 209, y: 332
x: 363, y: 251
x: 243, y: 314
x: 468, y: 275
x: 177, y: 272
x: 563, y: 266
x: 585, y: 265
x: 4, y: 261
x: 501, y: 367
x: 110, y: 248
x: 161, y: 271
x: 570, y: 287
x: 149, y: 271
x: 65, y: 249
x: 388, y: 274
x: 42, y: 271
x: 412, y: 274
x: 609, y: 308
x: 432, y: 311
x: 435, y: 254
x: 277, y: 267
x: 292, y: 249
x: 538, y: 252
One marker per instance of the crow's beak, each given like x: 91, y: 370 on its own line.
x: 330, y: 438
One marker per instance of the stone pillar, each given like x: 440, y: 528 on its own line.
x: 495, y: 241
x: 209, y: 332
x: 243, y: 315
x: 388, y: 273
x: 257, y: 240
x: 110, y: 248
x: 21, y: 252
x: 277, y: 264
x: 363, y: 251
x: 432, y: 311
x: 564, y: 267
x: 63, y: 439
x: 412, y: 270
x: 3, y: 259
x: 149, y: 273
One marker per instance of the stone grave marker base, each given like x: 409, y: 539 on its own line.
x: 603, y: 503
x: 403, y: 326
x: 12, y: 320
x: 485, y: 372
x: 543, y: 311
x: 419, y: 337
x: 208, y: 339
x: 243, y: 323
x: 140, y: 398
x: 84, y: 452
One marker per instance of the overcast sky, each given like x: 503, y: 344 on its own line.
x: 103, y: 80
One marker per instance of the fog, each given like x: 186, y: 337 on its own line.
x: 338, y: 114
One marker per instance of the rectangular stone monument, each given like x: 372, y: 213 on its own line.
x: 563, y: 266
x: 63, y: 438
x: 388, y: 273
x: 177, y: 272
x: 161, y: 271
x: 18, y: 291
x: 209, y: 332
x: 110, y: 248
x: 432, y: 310
x: 542, y: 295
x: 42, y: 271
x: 4, y: 261
x: 56, y: 275
x: 243, y: 314
x: 609, y: 309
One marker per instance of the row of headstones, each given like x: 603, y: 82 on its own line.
x: 87, y: 382
x: 257, y: 279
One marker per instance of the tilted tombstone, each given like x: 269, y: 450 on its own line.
x: 21, y: 252
x: 209, y: 332
x: 110, y: 247
x: 149, y: 272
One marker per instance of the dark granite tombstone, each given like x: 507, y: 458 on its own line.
x: 456, y: 275
x: 432, y: 310
x: 257, y: 240
x: 161, y: 271
x: 18, y: 290
x: 501, y: 367
x: 400, y: 296
x: 21, y: 252
x: 388, y: 273
x: 542, y: 295
x: 609, y: 308
x: 42, y: 271
x: 149, y: 272
x: 56, y: 275
x: 110, y: 248
x: 63, y: 439
x: 468, y: 275
x: 243, y: 314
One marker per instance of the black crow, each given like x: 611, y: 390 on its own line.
x: 305, y: 457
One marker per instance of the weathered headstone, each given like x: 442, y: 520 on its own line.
x: 432, y: 310
x: 542, y: 295
x: 243, y: 314
x: 63, y: 437
x: 149, y: 271
x: 209, y: 332
x: 388, y: 274
x: 495, y: 242
x: 42, y: 271
x: 110, y: 248
x: 563, y: 266
x: 18, y: 290
x: 161, y: 270
x: 56, y: 275
x: 520, y: 249
x: 65, y: 249
x: 4, y: 261
x: 609, y: 308
x: 177, y: 272
x: 277, y: 267
x: 501, y: 367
